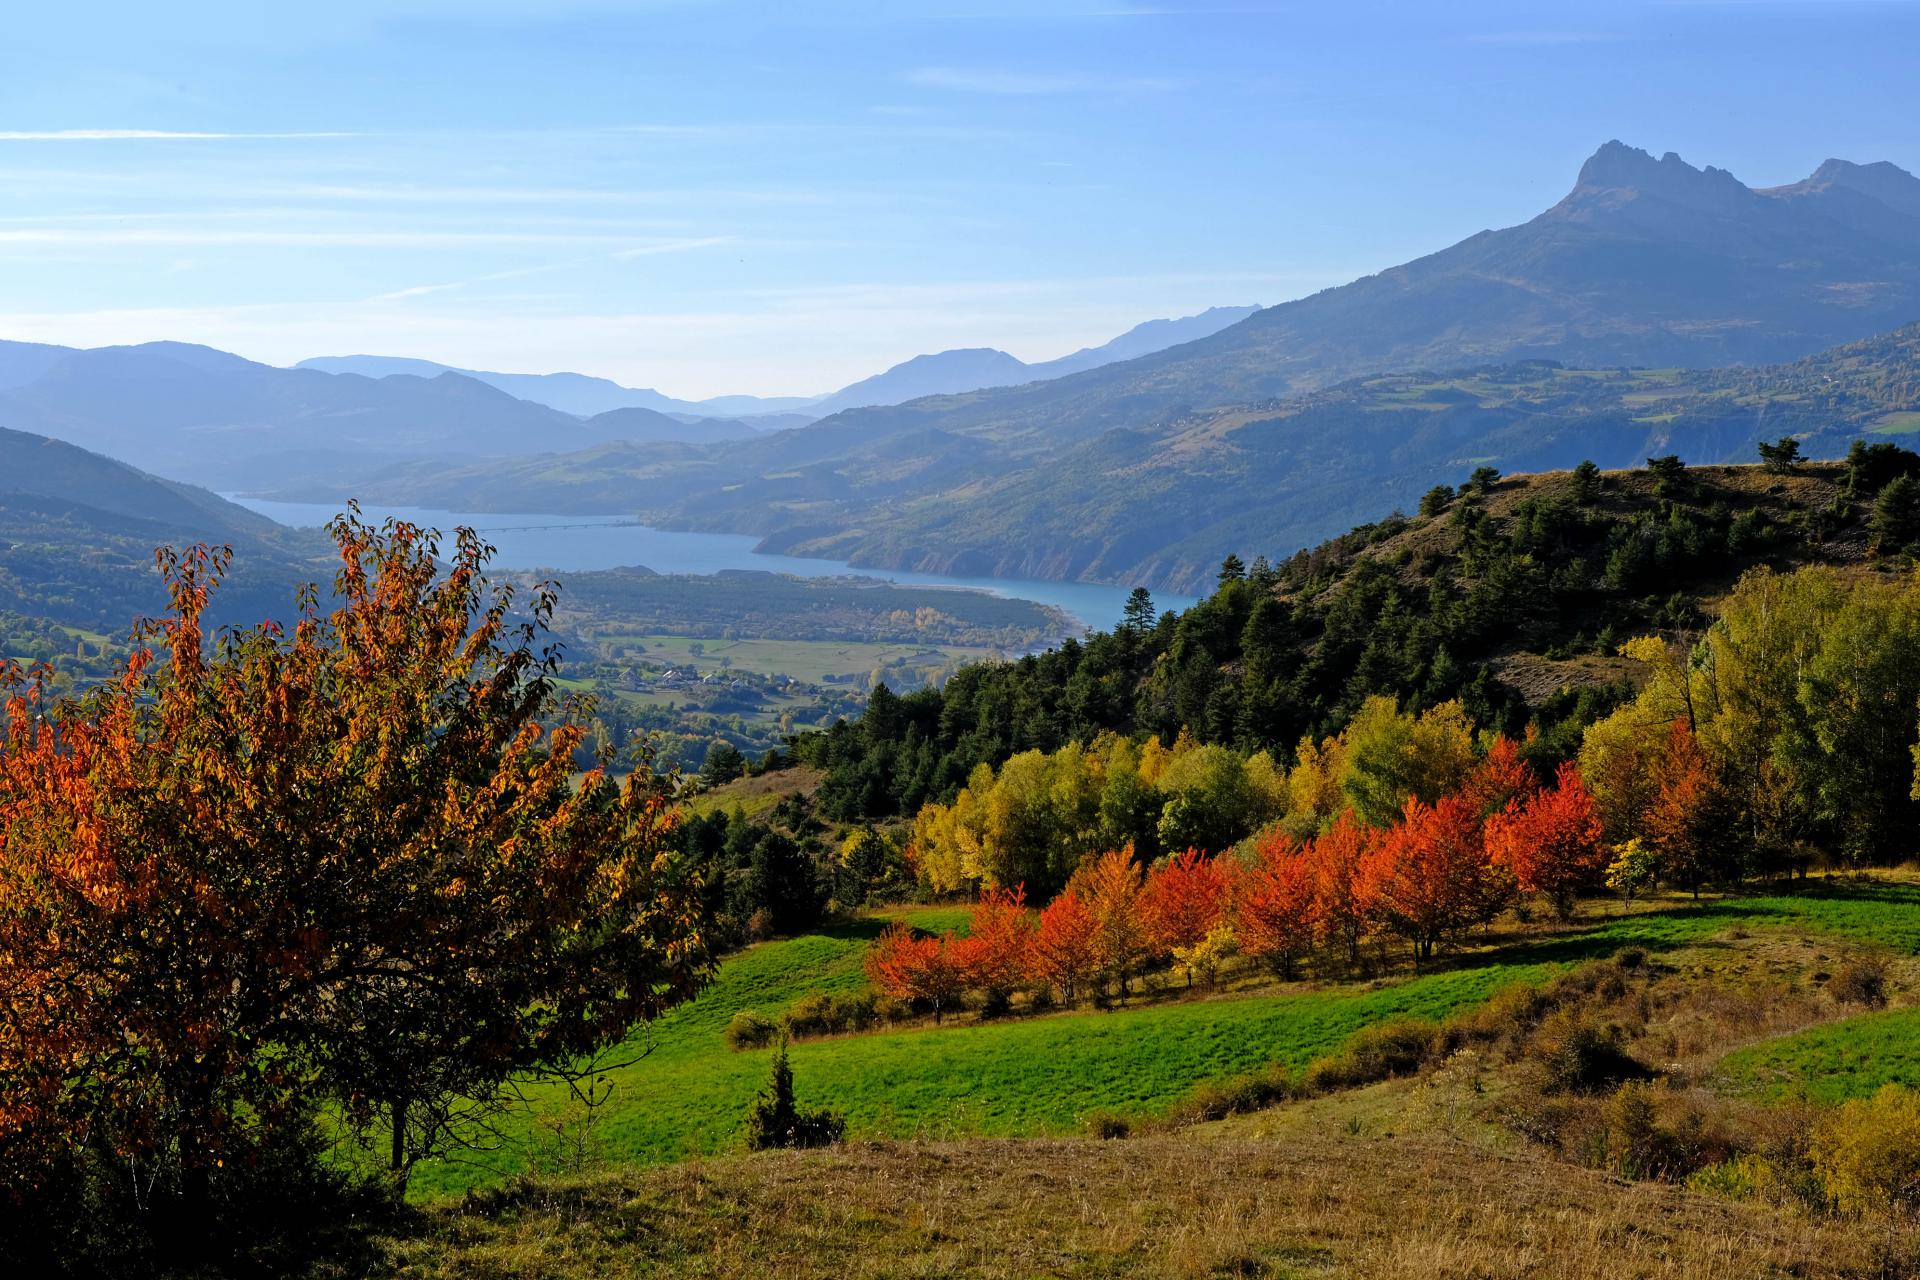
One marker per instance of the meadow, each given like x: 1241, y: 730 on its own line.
x: 1831, y: 1063
x: 809, y: 661
x: 1039, y: 1076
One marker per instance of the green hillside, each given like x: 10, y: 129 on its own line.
x: 1044, y: 1075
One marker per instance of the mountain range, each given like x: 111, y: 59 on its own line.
x: 939, y: 373
x: 192, y: 411
x: 1267, y: 435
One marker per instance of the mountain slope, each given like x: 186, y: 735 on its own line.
x: 648, y: 426
x: 1267, y: 432
x: 1645, y: 262
x: 78, y: 532
x: 938, y: 373
x: 1143, y: 339
x: 1162, y: 502
x: 192, y: 411
x: 36, y: 466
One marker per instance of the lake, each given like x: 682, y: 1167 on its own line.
x: 578, y: 543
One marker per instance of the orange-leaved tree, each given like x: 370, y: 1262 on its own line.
x: 1500, y: 777
x: 1276, y: 905
x: 339, y: 860
x: 1680, y: 821
x: 1066, y: 945
x: 1110, y: 886
x: 1000, y: 933
x: 1336, y: 855
x: 1551, y: 841
x: 1427, y: 878
x: 915, y: 966
x: 1183, y: 900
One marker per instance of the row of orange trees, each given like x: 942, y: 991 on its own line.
x: 1439, y: 869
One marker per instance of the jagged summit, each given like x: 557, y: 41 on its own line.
x: 1617, y: 167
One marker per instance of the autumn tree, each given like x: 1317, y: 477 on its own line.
x: 911, y: 966
x: 1110, y: 886
x: 1183, y: 899
x: 1335, y: 856
x: 343, y: 859
x: 1551, y: 841
x: 1681, y: 822
x: 1499, y: 777
x: 1427, y: 878
x: 1065, y: 950
x: 1276, y: 906
x: 999, y: 934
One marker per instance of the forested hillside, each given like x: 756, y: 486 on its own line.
x: 1510, y: 595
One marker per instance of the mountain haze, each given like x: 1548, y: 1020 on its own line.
x: 576, y: 393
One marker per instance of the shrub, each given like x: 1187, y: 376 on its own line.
x: 776, y: 1120
x: 1745, y: 1177
x: 1107, y: 1125
x: 1581, y: 1057
x: 1861, y: 980
x: 1508, y: 1017
x: 1636, y: 1143
x: 1867, y: 1153
x: 1218, y: 1099
x: 1395, y: 1047
x: 750, y: 1030
x: 827, y: 1014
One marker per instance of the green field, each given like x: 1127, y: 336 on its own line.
x: 1042, y: 1075
x: 1897, y: 424
x: 811, y: 661
x: 1832, y: 1063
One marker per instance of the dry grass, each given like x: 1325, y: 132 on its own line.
x: 1313, y: 1205
x: 755, y: 795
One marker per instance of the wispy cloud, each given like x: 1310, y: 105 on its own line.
x: 417, y: 291
x: 674, y: 246
x: 1003, y: 80
x: 150, y: 135
x: 292, y: 238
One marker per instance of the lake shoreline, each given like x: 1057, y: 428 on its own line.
x: 573, y: 543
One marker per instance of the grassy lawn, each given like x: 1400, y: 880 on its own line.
x: 1039, y: 1076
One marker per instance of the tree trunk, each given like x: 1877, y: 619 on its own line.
x: 397, y: 1148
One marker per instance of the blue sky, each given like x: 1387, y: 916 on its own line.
x: 712, y: 197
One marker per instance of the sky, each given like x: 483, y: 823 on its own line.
x: 709, y: 197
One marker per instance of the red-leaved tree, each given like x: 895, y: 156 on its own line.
x: 1065, y: 950
x: 1500, y: 777
x: 1336, y: 855
x: 1427, y: 878
x: 1550, y: 841
x: 1276, y: 906
x: 1183, y: 900
x: 999, y: 937
x: 911, y: 966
